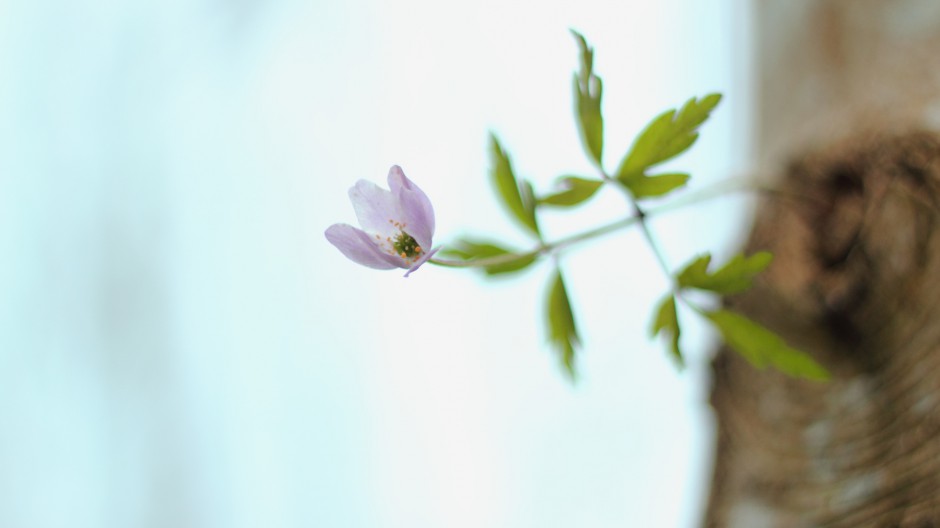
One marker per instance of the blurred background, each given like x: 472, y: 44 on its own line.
x: 180, y: 346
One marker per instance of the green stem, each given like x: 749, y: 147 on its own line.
x: 639, y: 216
x: 654, y: 246
x: 711, y: 191
x: 541, y: 250
x: 484, y: 262
x: 596, y: 232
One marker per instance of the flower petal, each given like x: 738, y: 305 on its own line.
x: 356, y: 245
x: 374, y: 208
x: 417, y: 212
x: 424, y: 258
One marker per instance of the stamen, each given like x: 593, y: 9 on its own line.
x: 406, y: 246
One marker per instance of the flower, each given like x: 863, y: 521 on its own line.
x: 397, y: 225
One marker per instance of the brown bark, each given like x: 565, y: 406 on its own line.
x: 855, y: 281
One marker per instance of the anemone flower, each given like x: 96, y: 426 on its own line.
x: 397, y: 225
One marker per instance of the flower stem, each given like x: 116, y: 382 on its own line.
x: 541, y: 250
x: 714, y: 190
x: 639, y: 216
x: 592, y: 233
x: 484, y: 262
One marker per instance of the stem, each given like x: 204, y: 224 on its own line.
x: 712, y: 191
x: 484, y: 262
x: 544, y: 248
x: 596, y: 232
x: 639, y: 216
x: 648, y: 234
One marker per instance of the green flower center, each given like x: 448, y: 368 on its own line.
x: 406, y: 246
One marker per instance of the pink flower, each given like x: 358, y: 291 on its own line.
x: 397, y: 225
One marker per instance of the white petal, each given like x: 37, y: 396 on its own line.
x: 416, y: 209
x: 358, y: 247
x: 376, y: 209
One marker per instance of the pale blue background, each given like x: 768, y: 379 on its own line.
x: 179, y: 346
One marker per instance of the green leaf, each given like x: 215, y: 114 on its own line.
x: 659, y: 185
x: 529, y: 201
x: 587, y: 55
x: 736, y: 276
x: 763, y: 348
x: 588, y: 90
x: 667, y: 322
x: 575, y: 191
x: 504, y: 179
x: 562, y: 333
x: 510, y: 260
x: 667, y: 136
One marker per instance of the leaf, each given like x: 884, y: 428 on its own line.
x: 510, y: 261
x: 575, y: 191
x: 562, y: 333
x: 529, y: 202
x: 508, y: 188
x: 659, y: 185
x: 736, y: 276
x: 588, y: 90
x: 667, y: 322
x: 587, y: 54
x: 667, y: 136
x: 763, y: 348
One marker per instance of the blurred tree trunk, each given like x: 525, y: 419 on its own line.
x: 848, y: 101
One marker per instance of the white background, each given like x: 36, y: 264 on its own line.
x: 180, y: 346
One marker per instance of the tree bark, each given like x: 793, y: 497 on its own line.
x: 855, y: 281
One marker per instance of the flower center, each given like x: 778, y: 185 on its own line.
x: 406, y: 246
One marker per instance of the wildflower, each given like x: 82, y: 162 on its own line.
x: 397, y: 225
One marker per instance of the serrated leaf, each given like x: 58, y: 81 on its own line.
x: 576, y: 190
x: 562, y: 333
x: 735, y: 276
x: 510, y: 260
x: 504, y: 179
x: 667, y: 136
x: 654, y: 186
x: 667, y: 322
x: 763, y: 348
x: 588, y: 90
